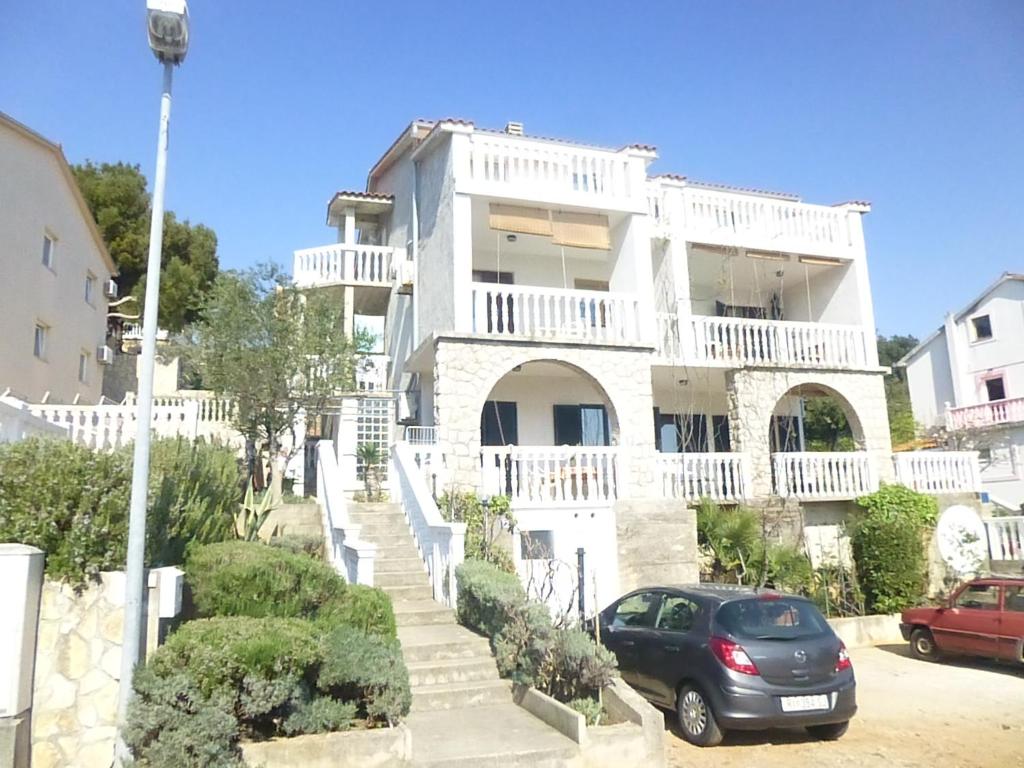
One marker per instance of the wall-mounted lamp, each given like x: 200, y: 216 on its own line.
x: 511, y: 238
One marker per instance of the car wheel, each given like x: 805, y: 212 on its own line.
x: 922, y: 645
x: 696, y: 720
x: 829, y: 732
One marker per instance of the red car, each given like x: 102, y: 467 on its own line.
x: 985, y: 617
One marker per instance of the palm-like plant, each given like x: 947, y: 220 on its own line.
x: 371, y: 456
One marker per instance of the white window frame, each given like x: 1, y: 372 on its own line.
x: 84, y: 365
x: 90, y: 289
x: 40, y: 340
x: 975, y: 339
x: 49, y: 254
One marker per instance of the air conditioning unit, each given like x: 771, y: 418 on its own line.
x: 513, y: 128
x: 110, y: 289
x: 105, y: 355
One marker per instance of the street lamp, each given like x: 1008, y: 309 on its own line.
x: 167, y: 21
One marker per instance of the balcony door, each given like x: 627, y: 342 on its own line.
x: 581, y: 425
x: 499, y: 423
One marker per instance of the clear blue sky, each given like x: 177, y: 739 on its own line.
x: 915, y: 106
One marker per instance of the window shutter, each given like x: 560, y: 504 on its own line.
x: 516, y: 218
x: 581, y: 230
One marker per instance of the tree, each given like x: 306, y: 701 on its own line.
x: 274, y: 351
x: 826, y: 427
x: 897, y: 395
x: 116, y: 195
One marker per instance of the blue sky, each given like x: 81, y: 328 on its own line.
x: 915, y: 106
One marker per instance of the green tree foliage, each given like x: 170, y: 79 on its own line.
x: 483, y: 531
x: 116, y: 195
x: 273, y: 350
x: 826, y: 427
x: 901, y: 418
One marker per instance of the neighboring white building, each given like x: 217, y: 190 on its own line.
x: 56, y: 275
x: 968, y: 377
x: 566, y: 330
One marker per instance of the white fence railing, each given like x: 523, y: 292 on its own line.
x: 939, y: 471
x: 343, y: 263
x: 812, y: 476
x: 538, y: 169
x: 669, y: 346
x: 552, y: 475
x: 721, y: 477
x: 421, y: 435
x: 783, y: 225
x: 441, y: 544
x: 1005, y: 538
x: 554, y: 313
x: 17, y: 422
x: 133, y: 332
x: 352, y: 557
x: 986, y: 414
x: 740, y: 341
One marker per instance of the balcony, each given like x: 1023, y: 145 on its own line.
x: 721, y: 477
x: 823, y: 476
x: 555, y: 314
x: 552, y: 475
x: 991, y: 414
x: 770, y: 223
x: 342, y: 264
x: 938, y: 471
x: 731, y: 342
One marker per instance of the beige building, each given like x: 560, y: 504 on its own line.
x: 56, y: 275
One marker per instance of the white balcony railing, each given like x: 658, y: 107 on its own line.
x: 731, y: 341
x: 342, y: 263
x: 986, y: 414
x: 1005, y: 538
x: 822, y: 476
x: 668, y: 336
x: 552, y: 475
x: 421, y: 435
x: 721, y: 477
x: 938, y: 471
x: 516, y: 311
x: 734, y: 218
x: 538, y: 170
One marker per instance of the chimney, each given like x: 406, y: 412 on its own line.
x: 513, y: 128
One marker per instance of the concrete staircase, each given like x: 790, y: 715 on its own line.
x: 462, y: 712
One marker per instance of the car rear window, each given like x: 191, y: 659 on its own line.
x: 773, y: 618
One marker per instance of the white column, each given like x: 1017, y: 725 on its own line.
x: 860, y: 261
x: 462, y: 261
x: 349, y: 234
x: 963, y: 391
x: 346, y: 447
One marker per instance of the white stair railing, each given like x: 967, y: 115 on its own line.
x: 814, y: 476
x: 441, y: 544
x: 938, y: 471
x: 721, y: 477
x: 352, y: 557
x: 1005, y: 538
x: 552, y: 475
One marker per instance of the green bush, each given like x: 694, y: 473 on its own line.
x: 576, y: 667
x: 362, y: 607
x: 72, y: 502
x: 523, y: 642
x: 300, y: 544
x: 482, y: 531
x: 486, y: 595
x: 589, y: 708
x: 889, y: 549
x: 366, y: 668
x: 322, y: 715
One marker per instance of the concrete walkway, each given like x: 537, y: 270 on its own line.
x: 462, y: 712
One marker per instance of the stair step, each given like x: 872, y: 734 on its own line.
x: 552, y: 757
x: 462, y: 670
x: 460, y: 695
x: 421, y: 591
x: 411, y: 613
x: 373, y: 506
x: 381, y: 529
x: 384, y: 541
x: 415, y: 577
x: 382, y: 565
x: 441, y: 642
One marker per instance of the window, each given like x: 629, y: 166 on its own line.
x: 995, y: 389
x: 772, y: 618
x: 637, y: 610
x: 49, y: 247
x: 40, y: 341
x: 83, y: 367
x: 581, y: 425
x: 499, y: 423
x: 1014, y: 600
x: 677, y: 614
x: 982, y: 327
x: 681, y: 433
x: 720, y: 429
x: 537, y: 545
x: 983, y: 597
x: 90, y: 288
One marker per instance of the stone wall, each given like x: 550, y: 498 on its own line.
x: 657, y: 543
x: 78, y: 670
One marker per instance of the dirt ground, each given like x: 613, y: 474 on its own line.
x: 911, y: 713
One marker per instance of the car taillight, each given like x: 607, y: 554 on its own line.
x: 843, y: 660
x: 733, y: 656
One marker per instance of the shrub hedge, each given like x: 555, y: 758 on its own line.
x: 72, y: 502
x: 888, y: 541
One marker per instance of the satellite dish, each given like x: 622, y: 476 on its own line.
x: 963, y: 543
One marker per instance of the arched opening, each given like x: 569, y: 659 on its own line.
x: 549, y: 435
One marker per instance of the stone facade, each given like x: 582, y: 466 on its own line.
x: 657, y: 543
x: 754, y: 393
x: 78, y: 670
x: 466, y: 370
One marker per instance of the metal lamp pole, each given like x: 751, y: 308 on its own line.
x: 168, y: 37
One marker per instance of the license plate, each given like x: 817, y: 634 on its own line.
x: 804, y: 703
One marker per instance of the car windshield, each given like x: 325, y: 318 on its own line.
x: 780, y: 618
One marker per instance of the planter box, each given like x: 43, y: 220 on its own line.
x: 379, y: 748
x: 865, y: 631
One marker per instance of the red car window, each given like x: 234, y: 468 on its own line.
x: 979, y: 597
x: 1014, y: 600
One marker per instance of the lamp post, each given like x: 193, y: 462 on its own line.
x: 168, y: 37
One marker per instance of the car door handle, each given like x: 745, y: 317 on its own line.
x: 673, y: 648
x: 628, y: 643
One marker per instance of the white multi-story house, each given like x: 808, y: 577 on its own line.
x: 57, y: 276
x: 968, y: 378
x: 601, y: 345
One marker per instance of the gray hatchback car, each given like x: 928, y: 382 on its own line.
x: 726, y: 657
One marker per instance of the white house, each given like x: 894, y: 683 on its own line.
x: 968, y: 377
x: 56, y: 276
x: 602, y: 345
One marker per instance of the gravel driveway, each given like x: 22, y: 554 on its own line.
x: 911, y: 713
